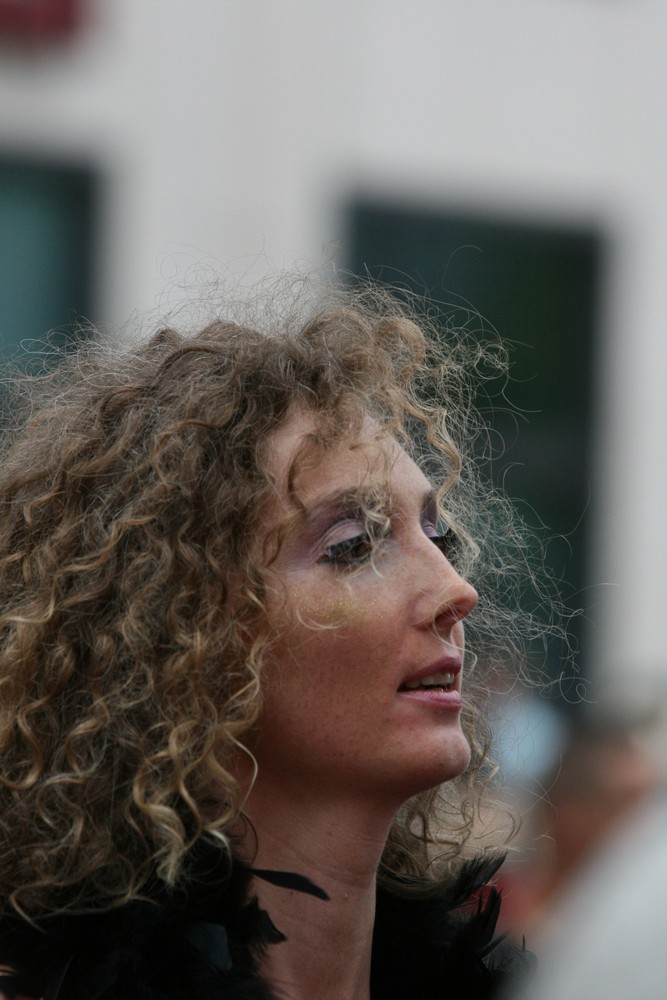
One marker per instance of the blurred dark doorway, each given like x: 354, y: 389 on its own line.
x: 537, y: 285
x: 47, y: 218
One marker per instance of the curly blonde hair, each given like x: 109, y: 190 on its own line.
x: 131, y: 483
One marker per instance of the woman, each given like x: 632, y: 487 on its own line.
x: 235, y: 571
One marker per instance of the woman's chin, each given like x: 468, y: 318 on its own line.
x: 454, y: 760
x: 437, y: 766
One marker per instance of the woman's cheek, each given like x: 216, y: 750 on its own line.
x: 349, y: 607
x: 328, y: 613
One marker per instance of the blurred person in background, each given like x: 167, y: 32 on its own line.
x: 592, y: 895
x: 605, y: 771
x: 605, y: 937
x: 242, y: 745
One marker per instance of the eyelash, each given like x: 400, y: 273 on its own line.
x: 350, y: 552
x: 448, y: 542
x: 359, y: 549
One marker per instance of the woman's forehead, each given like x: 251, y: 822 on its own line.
x: 364, y: 460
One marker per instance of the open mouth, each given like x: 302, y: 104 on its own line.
x: 435, y: 682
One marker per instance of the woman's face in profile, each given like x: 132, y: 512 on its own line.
x: 363, y: 688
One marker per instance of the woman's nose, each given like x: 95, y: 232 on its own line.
x: 448, y: 597
x: 459, y: 599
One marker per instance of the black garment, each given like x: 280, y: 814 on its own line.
x: 205, y: 941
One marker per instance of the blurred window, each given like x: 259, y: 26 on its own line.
x: 537, y: 286
x: 46, y: 235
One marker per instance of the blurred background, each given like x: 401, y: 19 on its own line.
x: 509, y: 159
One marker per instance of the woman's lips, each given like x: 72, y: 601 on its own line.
x: 439, y: 679
x: 439, y: 673
x: 435, y: 684
x: 436, y: 697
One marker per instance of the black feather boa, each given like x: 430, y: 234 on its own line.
x: 206, y: 941
x: 445, y: 947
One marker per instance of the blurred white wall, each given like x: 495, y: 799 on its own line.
x: 229, y: 132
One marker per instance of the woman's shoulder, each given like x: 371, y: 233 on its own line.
x: 199, y: 940
x: 205, y: 939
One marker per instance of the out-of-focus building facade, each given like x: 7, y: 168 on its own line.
x: 235, y: 134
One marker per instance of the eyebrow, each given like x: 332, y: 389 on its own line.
x: 352, y: 498
x: 349, y: 498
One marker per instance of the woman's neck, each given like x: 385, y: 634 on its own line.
x: 327, y: 952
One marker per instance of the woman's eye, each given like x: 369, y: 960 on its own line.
x: 448, y: 543
x: 350, y: 552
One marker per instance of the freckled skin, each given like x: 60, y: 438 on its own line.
x: 333, y: 717
x: 338, y: 611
